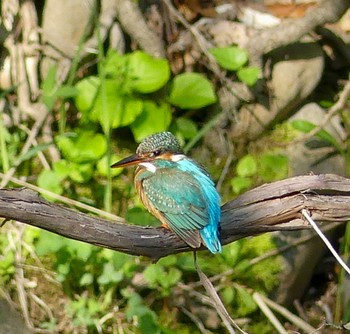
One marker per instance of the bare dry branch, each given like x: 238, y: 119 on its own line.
x: 134, y: 23
x: 291, y: 31
x: 271, y: 207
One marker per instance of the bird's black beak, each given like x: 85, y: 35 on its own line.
x: 129, y: 161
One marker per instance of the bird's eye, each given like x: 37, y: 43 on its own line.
x: 156, y: 153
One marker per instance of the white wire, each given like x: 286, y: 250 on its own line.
x: 325, y: 240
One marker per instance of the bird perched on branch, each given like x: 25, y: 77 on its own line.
x: 176, y: 190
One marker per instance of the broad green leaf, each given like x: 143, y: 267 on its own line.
x: 154, y: 118
x: 306, y: 127
x: 273, y: 167
x: 66, y: 91
x: 245, y: 301
x: 80, y: 172
x: 102, y: 166
x: 113, y: 110
x: 148, y: 324
x: 87, y: 91
x: 240, y: 183
x: 187, y: 128
x: 49, y: 243
x: 115, y: 65
x: 49, y: 88
x: 49, y: 84
x: 247, y: 166
x: 135, y: 306
x: 109, y: 275
x: 230, y: 58
x: 228, y: 294
x: 49, y: 180
x: 191, y: 91
x: 147, y: 73
x: 249, y: 75
x: 81, y: 250
x: 86, y: 279
x: 61, y: 168
x: 85, y: 147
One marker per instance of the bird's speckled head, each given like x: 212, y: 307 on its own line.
x: 159, y: 142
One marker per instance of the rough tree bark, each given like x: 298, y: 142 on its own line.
x: 270, y: 207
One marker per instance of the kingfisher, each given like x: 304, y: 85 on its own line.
x: 176, y: 190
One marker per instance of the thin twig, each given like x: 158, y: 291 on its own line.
x: 220, y: 307
x: 300, y: 323
x: 195, y: 320
x: 63, y: 199
x: 325, y: 240
x: 269, y: 314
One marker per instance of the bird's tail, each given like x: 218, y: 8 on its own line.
x: 210, y: 237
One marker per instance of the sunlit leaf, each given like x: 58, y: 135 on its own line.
x: 154, y: 118
x: 247, y: 166
x: 306, y: 127
x: 240, y: 183
x: 147, y: 73
x: 273, y: 167
x: 230, y: 58
x: 249, y: 75
x: 191, y: 91
x: 87, y: 90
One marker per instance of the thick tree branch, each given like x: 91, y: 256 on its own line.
x: 271, y: 207
x: 133, y: 22
x: 291, y: 31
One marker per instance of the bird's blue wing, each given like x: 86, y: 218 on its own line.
x: 178, y: 196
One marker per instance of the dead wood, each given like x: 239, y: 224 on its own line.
x: 270, y: 207
x: 291, y: 31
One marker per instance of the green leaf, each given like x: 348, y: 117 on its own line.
x: 86, y: 279
x: 135, y: 306
x: 273, y: 167
x: 102, y: 166
x: 66, y: 91
x: 306, y: 127
x: 191, y: 91
x: 49, y: 84
x: 247, y: 166
x: 187, y: 128
x: 139, y: 216
x: 80, y: 172
x: 154, y: 118
x: 49, y: 180
x: 245, y: 301
x: 148, y: 324
x: 240, y: 183
x: 49, y: 243
x: 153, y: 274
x: 113, y: 110
x: 83, y: 148
x: 81, y: 250
x: 230, y: 58
x: 115, y: 65
x: 249, y: 75
x: 148, y: 74
x: 87, y: 90
x: 110, y: 275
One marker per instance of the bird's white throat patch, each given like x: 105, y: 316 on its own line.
x: 150, y: 167
x: 177, y: 157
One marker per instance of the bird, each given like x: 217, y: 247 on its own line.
x: 177, y: 190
